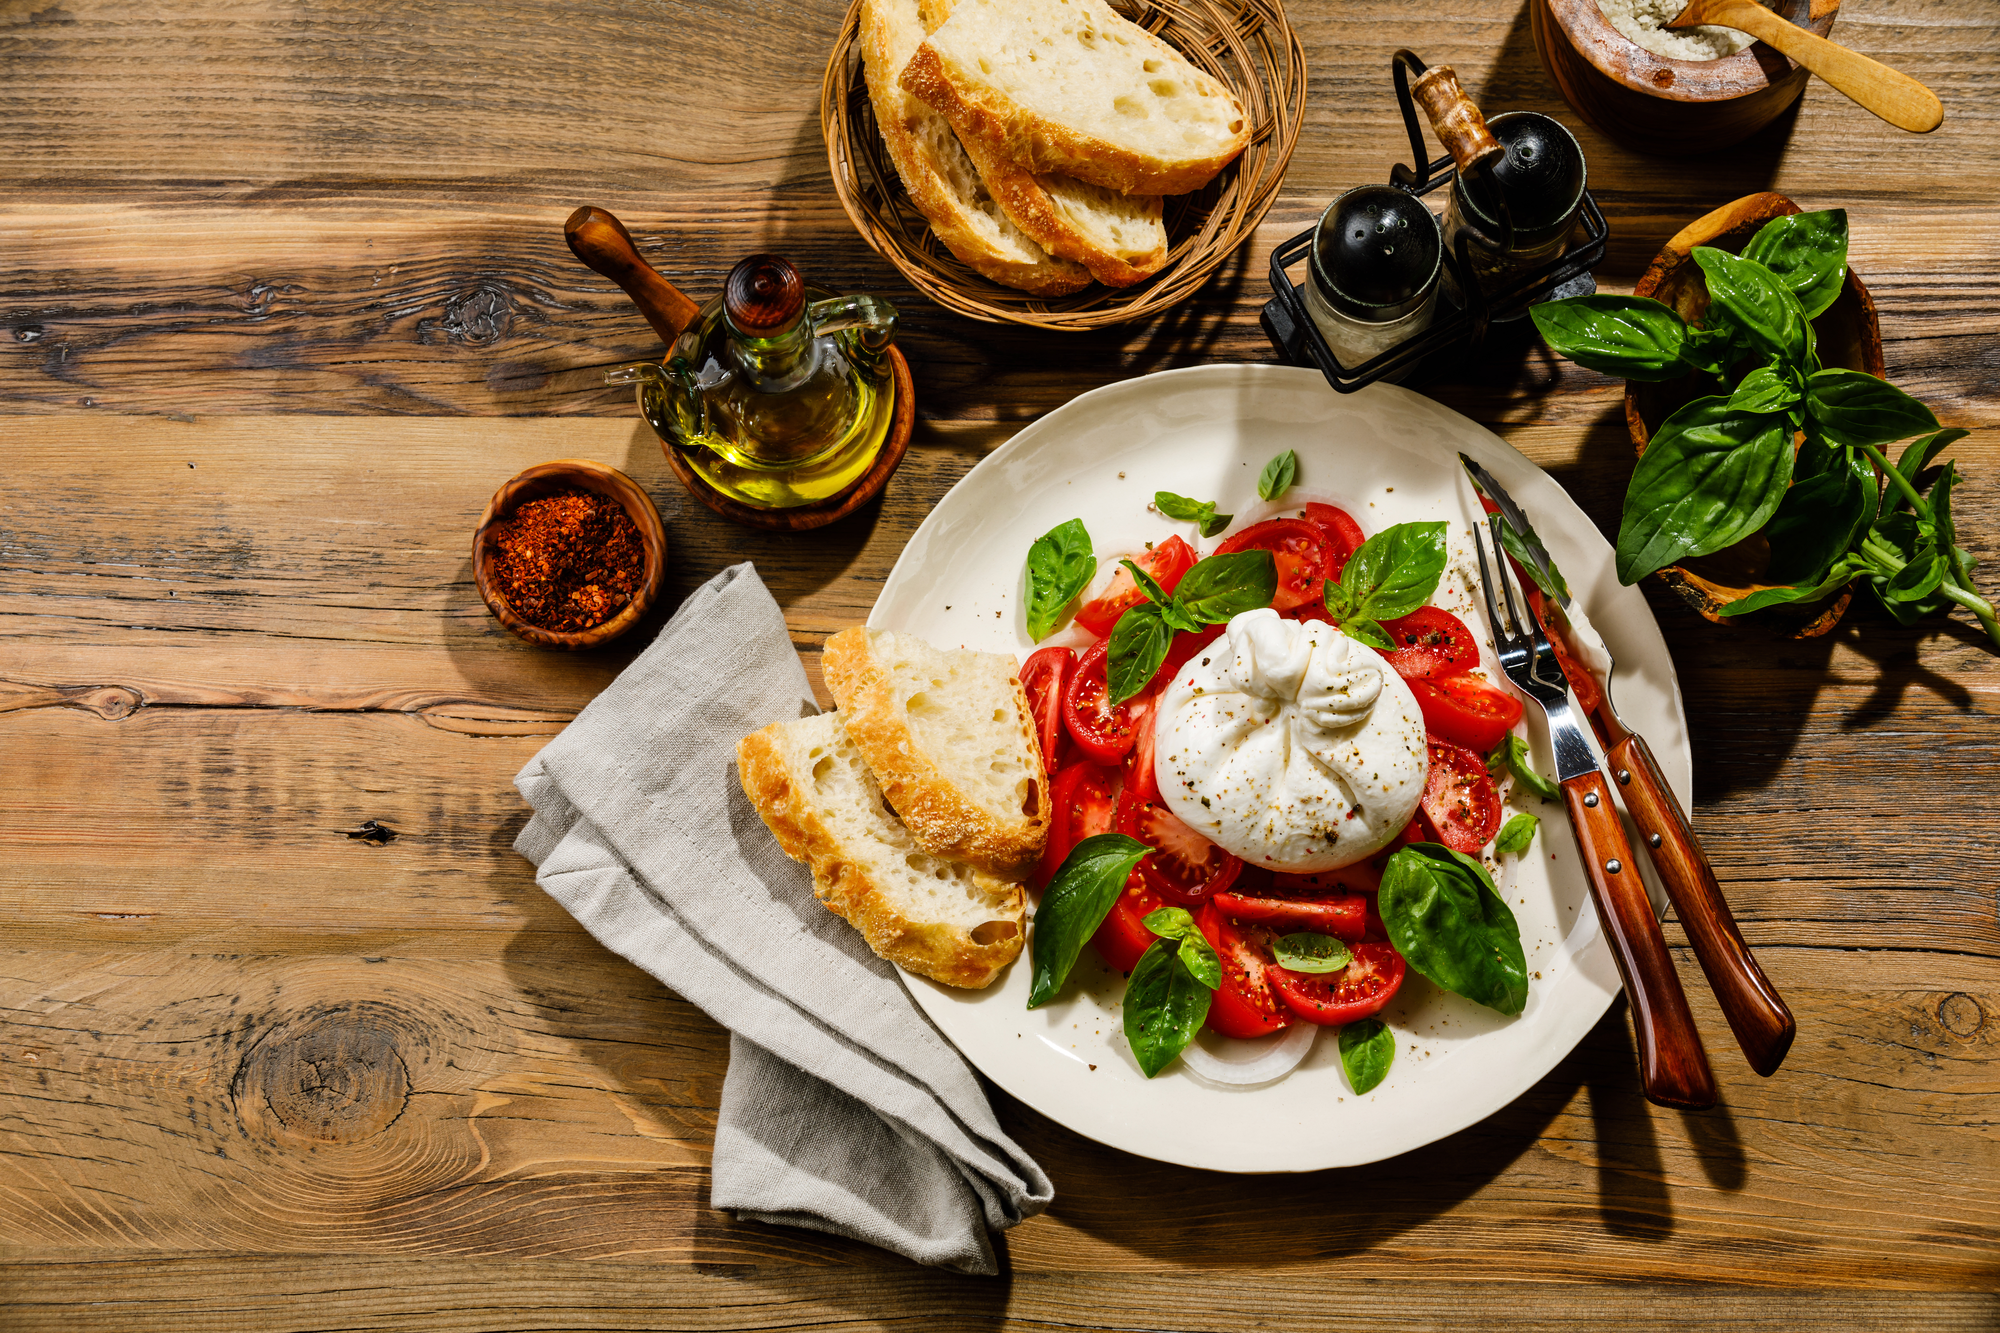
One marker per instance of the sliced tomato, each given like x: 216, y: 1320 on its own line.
x: 1467, y: 711
x: 1581, y: 682
x: 1123, y: 938
x: 1166, y: 563
x: 1343, y: 535
x: 1185, y: 645
x: 1343, y: 916
x: 1357, y: 991
x: 1300, y: 550
x: 1138, y: 778
x: 1183, y: 867
x: 1244, y: 1005
x: 1104, y: 733
x: 1045, y: 678
x: 1361, y: 877
x: 1460, y: 799
x: 1083, y: 800
x: 1431, y: 644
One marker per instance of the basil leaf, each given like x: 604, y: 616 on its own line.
x: 1060, y: 566
x: 1916, y: 457
x: 1711, y: 476
x: 1367, y: 1049
x: 1853, y: 407
x: 1766, y: 389
x: 1445, y: 918
x: 1516, y: 835
x: 1306, y: 951
x: 1713, y: 349
x: 1632, y: 336
x: 1197, y: 954
x: 1549, y: 580
x: 1394, y: 572
x: 1137, y: 647
x: 1224, y: 586
x: 1192, y: 511
x: 1278, y: 475
x: 1369, y: 632
x: 1838, y: 577
x: 1915, y: 544
x: 1808, y: 253
x: 1761, y: 306
x: 1074, y: 906
x: 1818, y: 519
x: 1512, y: 754
x: 1165, y: 1006
x: 1149, y: 587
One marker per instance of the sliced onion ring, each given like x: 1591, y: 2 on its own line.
x: 1265, y: 1060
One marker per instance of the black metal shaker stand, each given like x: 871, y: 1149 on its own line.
x: 1290, y: 326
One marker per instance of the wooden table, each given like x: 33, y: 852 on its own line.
x: 284, y: 297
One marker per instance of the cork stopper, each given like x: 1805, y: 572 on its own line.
x: 1459, y: 126
x: 763, y: 296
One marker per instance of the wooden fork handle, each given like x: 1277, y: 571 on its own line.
x: 1890, y: 94
x: 1764, y: 1027
x: 1673, y: 1068
x: 602, y: 243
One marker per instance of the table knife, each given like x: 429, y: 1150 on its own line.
x: 1763, y: 1025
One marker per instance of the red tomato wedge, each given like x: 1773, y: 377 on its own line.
x: 1103, y: 732
x: 1460, y: 799
x: 1467, y: 711
x: 1185, y: 645
x: 1165, y: 562
x: 1430, y: 644
x: 1045, y: 679
x: 1361, y: 877
x: 1083, y: 800
x: 1344, y: 916
x: 1300, y: 550
x: 1357, y: 991
x: 1581, y: 682
x: 1244, y: 1005
x: 1183, y: 867
x: 1123, y: 938
x: 1343, y: 535
x: 1139, y: 779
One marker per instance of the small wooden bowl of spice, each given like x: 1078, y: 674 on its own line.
x: 570, y: 554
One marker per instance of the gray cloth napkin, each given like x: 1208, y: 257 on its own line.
x: 844, y: 1110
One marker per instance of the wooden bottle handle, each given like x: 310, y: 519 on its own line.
x: 602, y: 243
x: 1890, y: 94
x: 1672, y: 1065
x: 1455, y: 120
x: 1764, y: 1027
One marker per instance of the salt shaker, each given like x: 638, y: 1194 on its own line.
x: 1374, y: 264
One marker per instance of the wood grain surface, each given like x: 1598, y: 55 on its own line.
x: 284, y: 297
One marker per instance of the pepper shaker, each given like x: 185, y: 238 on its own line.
x: 1373, y: 272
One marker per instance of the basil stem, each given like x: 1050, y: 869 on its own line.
x: 1075, y: 904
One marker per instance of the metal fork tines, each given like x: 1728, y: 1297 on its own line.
x: 1673, y: 1067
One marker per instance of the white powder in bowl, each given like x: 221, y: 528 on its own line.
x: 1640, y: 20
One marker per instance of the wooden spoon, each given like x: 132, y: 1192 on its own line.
x: 1896, y: 98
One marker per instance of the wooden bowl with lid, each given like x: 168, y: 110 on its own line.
x: 1848, y: 335
x: 546, y: 479
x: 1672, y: 108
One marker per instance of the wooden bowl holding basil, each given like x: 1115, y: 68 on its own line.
x: 1755, y: 397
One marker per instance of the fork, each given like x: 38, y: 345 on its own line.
x: 1673, y: 1067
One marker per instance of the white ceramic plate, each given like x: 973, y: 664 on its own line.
x: 1385, y: 455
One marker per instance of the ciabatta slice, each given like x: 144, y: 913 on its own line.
x: 938, y: 918
x: 947, y: 734
x: 940, y: 178
x: 1070, y: 86
x: 1120, y: 238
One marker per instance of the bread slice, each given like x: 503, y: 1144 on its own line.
x: 937, y: 918
x: 1069, y: 86
x: 947, y: 734
x: 941, y: 179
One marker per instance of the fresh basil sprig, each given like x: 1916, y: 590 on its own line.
x: 1307, y: 951
x: 1215, y: 590
x: 1074, y: 906
x: 1392, y: 574
x: 1278, y: 475
x: 1367, y: 1049
x: 1516, y: 834
x: 1060, y: 567
x: 1512, y: 755
x: 1191, y: 511
x: 1808, y: 253
x: 1167, y: 998
x: 1449, y: 923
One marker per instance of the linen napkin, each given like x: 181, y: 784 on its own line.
x: 844, y: 1110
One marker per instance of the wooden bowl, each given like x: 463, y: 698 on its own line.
x: 1669, y: 107
x: 572, y: 474
x: 1848, y: 336
x: 1246, y: 44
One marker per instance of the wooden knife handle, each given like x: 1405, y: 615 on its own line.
x: 1672, y: 1065
x: 602, y: 243
x: 1764, y: 1027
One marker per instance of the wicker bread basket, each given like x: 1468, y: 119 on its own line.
x: 1247, y: 44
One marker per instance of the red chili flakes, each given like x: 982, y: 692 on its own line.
x: 569, y: 561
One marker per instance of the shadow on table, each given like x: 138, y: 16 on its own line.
x: 1175, y: 1214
